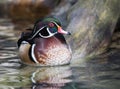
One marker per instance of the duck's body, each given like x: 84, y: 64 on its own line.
x: 44, y: 51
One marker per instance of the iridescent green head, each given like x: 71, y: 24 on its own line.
x: 48, y: 27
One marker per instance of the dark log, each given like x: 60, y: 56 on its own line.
x: 92, y: 24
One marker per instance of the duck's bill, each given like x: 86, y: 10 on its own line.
x: 60, y: 30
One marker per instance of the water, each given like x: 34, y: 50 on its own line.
x: 101, y: 72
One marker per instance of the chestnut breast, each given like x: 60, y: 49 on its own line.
x: 51, y: 49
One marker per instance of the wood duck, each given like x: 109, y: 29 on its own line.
x: 45, y: 45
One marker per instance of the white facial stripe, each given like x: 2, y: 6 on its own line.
x: 50, y: 34
x: 48, y: 30
x: 46, y: 36
x: 37, y: 32
x: 32, y: 54
x: 55, y: 23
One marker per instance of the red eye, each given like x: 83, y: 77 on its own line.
x: 51, y: 24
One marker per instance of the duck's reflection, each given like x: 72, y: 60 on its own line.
x: 51, y: 77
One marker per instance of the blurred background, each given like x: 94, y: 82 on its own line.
x: 95, y: 43
x: 26, y: 12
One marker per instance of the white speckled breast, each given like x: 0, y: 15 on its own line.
x: 58, y: 55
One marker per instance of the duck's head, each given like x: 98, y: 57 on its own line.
x: 47, y: 27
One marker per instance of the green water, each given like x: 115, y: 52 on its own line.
x: 98, y: 73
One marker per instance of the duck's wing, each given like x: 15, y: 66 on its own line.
x: 24, y: 37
